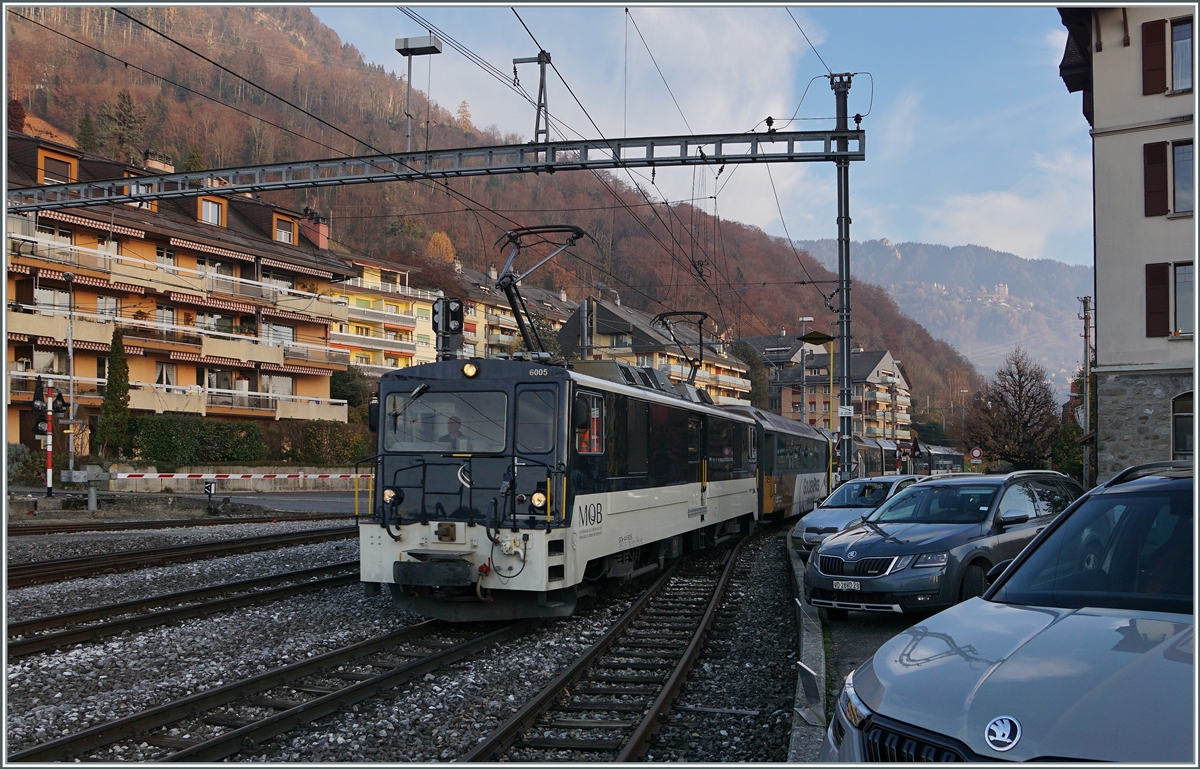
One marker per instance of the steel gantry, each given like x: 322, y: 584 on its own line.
x: 549, y: 157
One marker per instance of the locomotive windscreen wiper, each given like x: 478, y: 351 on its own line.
x: 417, y: 392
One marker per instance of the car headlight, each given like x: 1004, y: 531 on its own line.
x: 852, y: 708
x: 929, y: 560
x: 538, y: 500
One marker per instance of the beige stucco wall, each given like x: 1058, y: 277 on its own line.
x: 1126, y: 239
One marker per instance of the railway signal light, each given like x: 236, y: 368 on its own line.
x: 454, y: 319
x: 41, y: 423
x: 439, y: 316
x: 39, y: 396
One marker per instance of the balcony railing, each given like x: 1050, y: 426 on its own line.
x: 500, y: 320
x: 381, y: 316
x: 392, y: 288
x: 24, y: 382
x: 152, y: 331
x: 493, y: 338
x: 373, y: 342
x: 142, y: 272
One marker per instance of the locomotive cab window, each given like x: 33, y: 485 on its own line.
x: 588, y: 417
x: 535, y: 421
x: 446, y: 422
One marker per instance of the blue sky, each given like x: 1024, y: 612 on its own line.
x: 971, y: 135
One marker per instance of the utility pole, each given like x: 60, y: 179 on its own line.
x: 71, y: 430
x: 841, y: 89
x: 1087, y: 387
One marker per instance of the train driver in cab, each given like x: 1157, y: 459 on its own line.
x: 454, y: 437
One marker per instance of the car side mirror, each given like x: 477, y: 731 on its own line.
x: 373, y: 416
x: 1013, y: 517
x: 995, y: 572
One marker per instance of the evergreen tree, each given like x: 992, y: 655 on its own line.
x: 352, y: 386
x: 194, y: 160
x: 16, y: 116
x: 85, y: 134
x: 112, y: 432
x: 120, y: 127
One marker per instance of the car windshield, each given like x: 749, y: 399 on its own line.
x: 446, y: 422
x: 1129, y: 551
x: 926, y: 503
x: 868, y: 494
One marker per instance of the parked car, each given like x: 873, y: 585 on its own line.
x: 1083, y: 649
x: 846, y: 505
x: 930, y: 546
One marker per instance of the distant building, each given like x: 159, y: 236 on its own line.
x: 389, y: 322
x: 881, y: 397
x: 224, y: 301
x: 614, y: 332
x: 1134, y: 66
x: 780, y: 353
x: 491, y: 328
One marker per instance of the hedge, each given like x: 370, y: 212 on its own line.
x: 318, y: 442
x: 188, y: 440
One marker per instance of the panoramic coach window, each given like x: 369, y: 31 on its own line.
x: 442, y: 422
x: 535, y: 421
x: 637, y: 437
x: 588, y: 414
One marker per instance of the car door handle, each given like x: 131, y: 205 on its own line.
x: 1039, y: 529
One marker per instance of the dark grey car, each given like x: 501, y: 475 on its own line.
x: 930, y: 546
x: 1082, y: 650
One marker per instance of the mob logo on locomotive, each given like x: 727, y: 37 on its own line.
x: 590, y: 514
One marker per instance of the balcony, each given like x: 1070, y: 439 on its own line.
x: 316, y: 354
x: 140, y: 272
x: 373, y: 342
x: 733, y: 381
x: 496, y: 319
x: 372, y: 315
x: 240, y: 349
x: 193, y: 399
x: 501, y: 339
x: 391, y: 288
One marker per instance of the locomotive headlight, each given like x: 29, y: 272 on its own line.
x: 538, y: 499
x: 470, y: 370
x: 393, y: 496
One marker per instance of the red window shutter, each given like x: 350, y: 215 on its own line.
x: 1155, y: 164
x: 1154, y: 57
x: 1158, y: 299
x: 470, y: 327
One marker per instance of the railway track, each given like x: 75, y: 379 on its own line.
x: 69, y: 527
x: 607, y: 705
x: 30, y: 636
x: 37, y: 572
x: 239, y: 717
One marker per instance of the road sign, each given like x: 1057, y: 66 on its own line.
x: 209, y: 488
x: 71, y: 422
x: 976, y: 453
x: 837, y: 437
x: 977, y: 461
x: 845, y: 411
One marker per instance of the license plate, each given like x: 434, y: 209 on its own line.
x: 839, y: 584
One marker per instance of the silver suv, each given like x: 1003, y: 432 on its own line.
x: 1082, y: 650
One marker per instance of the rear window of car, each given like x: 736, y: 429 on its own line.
x: 928, y: 503
x: 1131, y: 551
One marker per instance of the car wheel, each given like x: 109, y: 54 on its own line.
x: 972, y: 583
x: 835, y: 615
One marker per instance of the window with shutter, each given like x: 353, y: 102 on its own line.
x: 1154, y: 57
x: 1155, y: 157
x: 1158, y: 299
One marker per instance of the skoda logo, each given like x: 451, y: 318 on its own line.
x: 1003, y: 733
x: 852, y: 554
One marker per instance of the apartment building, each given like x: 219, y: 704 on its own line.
x: 490, y: 329
x: 223, y: 301
x: 614, y: 332
x: 881, y: 397
x: 1135, y: 66
x: 780, y: 353
x: 389, y: 322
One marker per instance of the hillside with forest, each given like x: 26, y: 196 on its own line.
x: 980, y: 300
x: 121, y: 89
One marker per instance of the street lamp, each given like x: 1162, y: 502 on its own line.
x: 408, y: 47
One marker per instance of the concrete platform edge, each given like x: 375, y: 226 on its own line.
x: 808, y: 715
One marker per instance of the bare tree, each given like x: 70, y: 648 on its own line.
x: 1015, y: 418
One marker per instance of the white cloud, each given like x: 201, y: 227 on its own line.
x: 1056, y: 42
x: 1054, y: 199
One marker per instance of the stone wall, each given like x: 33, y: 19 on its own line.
x: 1133, y: 418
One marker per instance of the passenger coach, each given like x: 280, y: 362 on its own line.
x: 793, y: 463
x: 508, y: 488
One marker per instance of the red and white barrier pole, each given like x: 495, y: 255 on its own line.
x: 49, y: 454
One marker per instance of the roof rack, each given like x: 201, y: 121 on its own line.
x: 1141, y: 471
